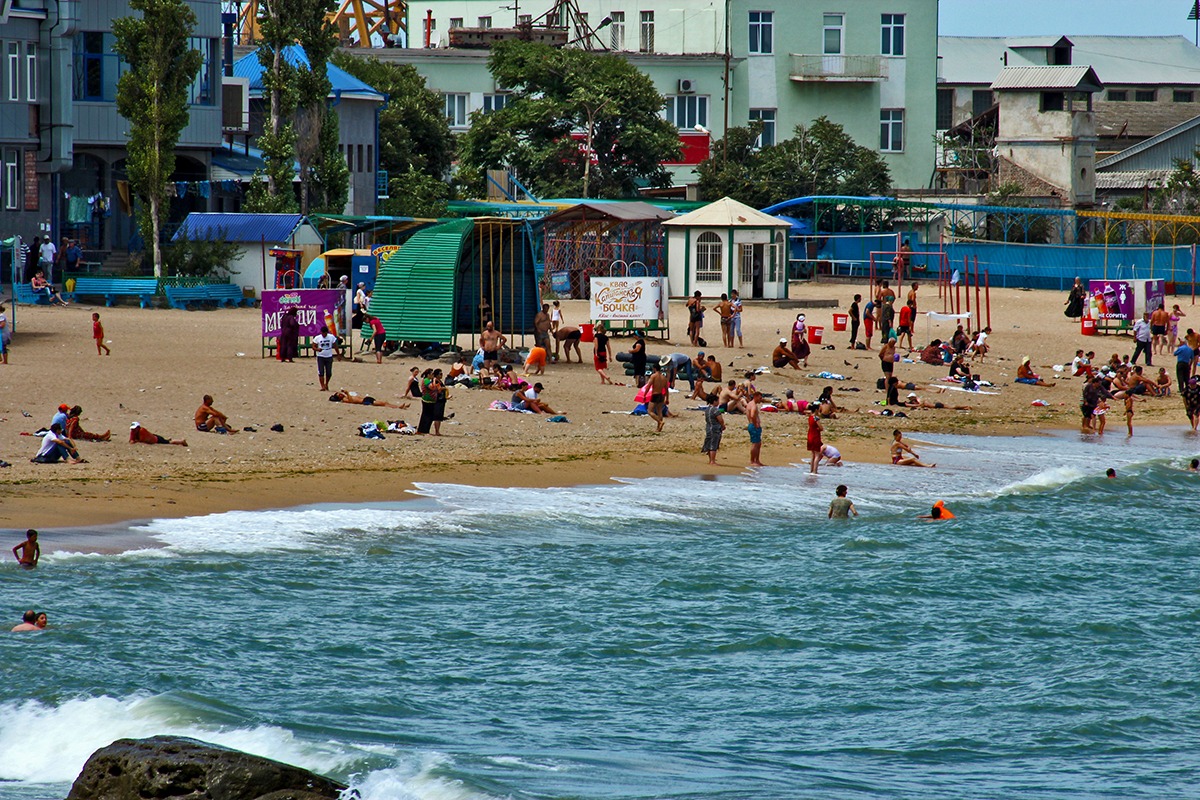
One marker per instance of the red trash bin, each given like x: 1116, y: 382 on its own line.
x: 1088, y: 326
x: 839, y: 321
x: 815, y: 332
x: 587, y: 332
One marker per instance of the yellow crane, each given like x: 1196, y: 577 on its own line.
x: 360, y: 23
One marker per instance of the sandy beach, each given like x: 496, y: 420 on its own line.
x: 163, y: 361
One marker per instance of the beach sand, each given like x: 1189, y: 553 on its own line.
x: 164, y: 360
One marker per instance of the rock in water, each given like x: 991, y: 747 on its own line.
x: 177, y: 768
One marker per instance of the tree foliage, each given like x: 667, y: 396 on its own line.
x: 1016, y: 226
x: 820, y: 159
x: 415, y: 145
x: 153, y: 95
x: 560, y: 97
x: 271, y: 190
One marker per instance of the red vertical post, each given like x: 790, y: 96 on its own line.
x: 987, y: 293
x: 967, y: 285
x: 978, y: 305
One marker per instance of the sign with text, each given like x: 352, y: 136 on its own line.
x: 627, y: 298
x: 314, y: 307
x: 1124, y: 301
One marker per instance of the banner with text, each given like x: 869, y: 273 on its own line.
x: 627, y: 298
x: 314, y: 308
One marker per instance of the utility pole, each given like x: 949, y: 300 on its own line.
x: 725, y: 102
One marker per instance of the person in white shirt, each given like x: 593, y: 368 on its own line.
x: 980, y: 347
x: 56, y: 447
x: 1142, y: 337
x: 47, y: 254
x: 325, y: 344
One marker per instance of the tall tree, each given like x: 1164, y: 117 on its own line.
x: 153, y: 95
x: 271, y: 191
x: 324, y: 176
x: 576, y: 123
x: 819, y: 159
x: 415, y: 145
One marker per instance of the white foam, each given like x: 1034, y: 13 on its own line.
x: 79, y: 727
x: 1046, y: 479
x: 416, y: 781
x: 67, y: 556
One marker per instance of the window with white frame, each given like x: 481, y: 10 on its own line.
x: 686, y: 111
x: 616, y: 31
x: 646, y: 33
x: 891, y: 34
x: 14, y: 70
x: 31, y: 92
x: 708, y: 257
x: 494, y: 102
x: 762, y: 39
x: 456, y: 22
x: 891, y: 130
x: 765, y: 116
x: 485, y: 22
x: 456, y: 110
x: 832, y: 36
x: 12, y: 180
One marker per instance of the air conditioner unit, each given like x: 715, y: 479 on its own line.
x: 235, y: 104
x: 687, y: 85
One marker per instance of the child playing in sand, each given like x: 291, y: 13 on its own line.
x: 98, y: 335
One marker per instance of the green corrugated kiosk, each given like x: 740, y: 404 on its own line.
x: 430, y: 290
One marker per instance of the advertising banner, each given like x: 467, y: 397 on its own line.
x: 314, y: 308
x: 627, y: 298
x: 1111, y: 300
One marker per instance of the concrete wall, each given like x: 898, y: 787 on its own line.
x: 1056, y: 146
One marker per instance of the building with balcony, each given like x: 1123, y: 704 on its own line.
x: 62, y: 142
x: 871, y: 67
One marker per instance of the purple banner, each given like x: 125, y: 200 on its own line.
x: 313, y: 308
x: 1110, y: 300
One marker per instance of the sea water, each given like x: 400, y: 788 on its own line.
x: 684, y: 638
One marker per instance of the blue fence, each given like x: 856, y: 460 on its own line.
x: 1033, y: 266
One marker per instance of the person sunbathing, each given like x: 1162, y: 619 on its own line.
x: 912, y: 401
x: 342, y: 396
x: 903, y: 455
x: 1025, y: 374
x: 209, y: 419
x: 139, y: 435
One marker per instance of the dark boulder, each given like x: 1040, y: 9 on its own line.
x: 177, y: 768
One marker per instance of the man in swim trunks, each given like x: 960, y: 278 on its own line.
x: 541, y: 327
x: 491, y: 340
x: 729, y: 399
x: 342, y: 396
x: 28, y: 622
x: 659, y: 384
x: 1159, y: 321
x: 569, y: 337
x: 887, y: 358
x: 29, y: 551
x: 782, y: 357
x: 754, y: 427
x: 209, y: 419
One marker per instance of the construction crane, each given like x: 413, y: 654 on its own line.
x: 360, y: 23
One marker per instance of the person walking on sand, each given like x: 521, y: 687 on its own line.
x: 735, y: 319
x: 814, y: 441
x: 659, y: 385
x: 754, y: 427
x: 714, y: 427
x: 902, y: 454
x: 841, y: 507
x: 324, y: 344
x: 602, y: 354
x: 98, y: 335
x: 28, y: 552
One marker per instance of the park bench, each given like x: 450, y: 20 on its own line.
x: 24, y: 293
x: 216, y: 293
x: 112, y: 288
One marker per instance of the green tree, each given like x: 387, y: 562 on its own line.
x: 271, y: 190
x: 153, y: 95
x: 1016, y: 226
x: 555, y: 93
x: 415, y: 145
x: 324, y: 176
x: 820, y: 159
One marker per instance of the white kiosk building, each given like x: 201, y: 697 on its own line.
x: 725, y: 246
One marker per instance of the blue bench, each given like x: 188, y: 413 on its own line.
x: 217, y: 293
x: 111, y: 288
x: 24, y: 293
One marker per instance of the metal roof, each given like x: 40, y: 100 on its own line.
x: 1120, y: 60
x: 342, y: 82
x: 414, y: 294
x: 1159, y: 152
x: 269, y: 228
x: 1131, y: 179
x: 1077, y: 78
x: 617, y: 212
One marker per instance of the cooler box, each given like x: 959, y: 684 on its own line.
x: 815, y: 332
x: 1088, y: 326
x: 839, y: 321
x: 587, y: 332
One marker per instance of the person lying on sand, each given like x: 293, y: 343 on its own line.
x: 342, y: 396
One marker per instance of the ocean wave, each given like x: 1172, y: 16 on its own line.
x: 420, y: 780
x: 69, y: 556
x: 1046, y: 479
x: 80, y: 726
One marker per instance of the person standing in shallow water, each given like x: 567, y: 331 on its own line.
x: 28, y: 552
x: 841, y: 507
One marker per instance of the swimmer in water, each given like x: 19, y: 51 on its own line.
x: 28, y: 622
x: 939, y: 511
x: 29, y: 551
x: 1194, y: 466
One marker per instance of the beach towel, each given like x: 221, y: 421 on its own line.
x: 557, y: 418
x: 828, y: 376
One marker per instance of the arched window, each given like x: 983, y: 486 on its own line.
x: 708, y: 257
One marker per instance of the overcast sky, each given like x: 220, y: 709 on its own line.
x: 1058, y: 17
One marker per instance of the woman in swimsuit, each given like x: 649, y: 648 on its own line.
x: 903, y: 455
x: 1173, y: 330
